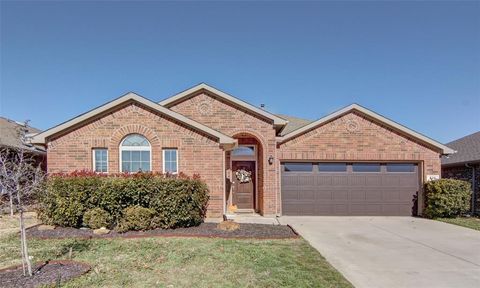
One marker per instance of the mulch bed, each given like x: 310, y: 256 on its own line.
x: 48, y: 273
x: 207, y: 230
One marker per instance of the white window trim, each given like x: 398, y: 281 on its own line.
x: 93, y: 159
x: 163, y: 160
x: 134, y: 148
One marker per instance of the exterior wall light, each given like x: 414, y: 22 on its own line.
x: 270, y: 160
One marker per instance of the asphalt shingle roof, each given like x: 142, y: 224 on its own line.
x: 9, y: 136
x: 468, y: 150
x: 293, y: 123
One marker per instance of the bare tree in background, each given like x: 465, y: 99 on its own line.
x: 21, y: 176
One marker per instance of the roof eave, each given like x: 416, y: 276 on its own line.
x: 460, y: 163
x: 40, y: 138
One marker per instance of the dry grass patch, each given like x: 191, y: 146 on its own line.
x: 179, y: 262
x: 186, y: 262
x: 469, y: 222
x: 10, y: 224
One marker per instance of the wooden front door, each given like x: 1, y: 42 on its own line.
x: 244, y: 184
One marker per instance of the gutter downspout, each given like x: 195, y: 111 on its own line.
x: 474, y: 187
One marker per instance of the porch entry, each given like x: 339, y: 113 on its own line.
x: 244, y: 184
x: 244, y: 177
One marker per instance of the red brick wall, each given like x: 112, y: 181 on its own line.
x: 197, y: 153
x: 354, y: 137
x: 235, y: 122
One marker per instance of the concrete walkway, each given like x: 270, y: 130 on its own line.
x: 395, y: 251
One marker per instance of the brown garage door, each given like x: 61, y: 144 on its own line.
x: 349, y: 188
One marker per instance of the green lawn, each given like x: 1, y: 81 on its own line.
x: 469, y: 222
x: 185, y: 262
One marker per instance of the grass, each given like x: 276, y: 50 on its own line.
x: 10, y: 224
x: 469, y: 222
x: 185, y: 262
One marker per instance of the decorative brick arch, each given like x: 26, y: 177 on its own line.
x: 261, y: 163
x: 249, y: 132
x: 123, y: 131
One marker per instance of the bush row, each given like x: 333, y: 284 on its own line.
x: 89, y: 199
x: 447, y: 198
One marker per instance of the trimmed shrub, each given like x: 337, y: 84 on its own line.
x: 447, y: 198
x: 97, y: 218
x: 135, y: 218
x: 66, y: 199
x: 177, y: 201
x: 180, y: 203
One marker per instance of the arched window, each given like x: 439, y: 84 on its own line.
x: 135, y: 154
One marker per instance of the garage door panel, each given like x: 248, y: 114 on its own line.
x: 349, y: 193
x: 339, y: 195
x: 323, y: 180
x: 400, y: 181
x: 308, y: 194
x: 323, y: 194
x: 397, y: 209
x: 366, y: 180
x: 372, y: 195
x: 330, y: 180
x: 373, y: 181
x: 357, y: 195
x: 289, y: 194
x: 356, y: 181
x: 340, y: 209
x: 359, y: 209
x: 341, y: 181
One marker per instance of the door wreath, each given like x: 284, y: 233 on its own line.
x: 243, y: 175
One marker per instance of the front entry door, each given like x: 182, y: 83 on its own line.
x: 244, y: 184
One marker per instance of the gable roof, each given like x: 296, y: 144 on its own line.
x: 378, y: 117
x: 468, y: 148
x: 10, y: 137
x: 293, y: 123
x: 169, y: 102
x: 222, y: 138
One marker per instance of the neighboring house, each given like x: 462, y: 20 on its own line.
x: 10, y: 140
x: 465, y: 164
x: 351, y: 162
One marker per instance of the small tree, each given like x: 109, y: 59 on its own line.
x: 6, y: 152
x: 21, y: 177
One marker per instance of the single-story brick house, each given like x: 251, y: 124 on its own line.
x: 351, y: 162
x: 465, y: 164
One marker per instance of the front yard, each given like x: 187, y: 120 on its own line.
x: 184, y: 262
x: 469, y: 222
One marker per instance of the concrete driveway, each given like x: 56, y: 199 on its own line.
x: 395, y: 251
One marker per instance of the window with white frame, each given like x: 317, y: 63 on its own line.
x: 100, y: 160
x: 170, y: 160
x: 135, y: 154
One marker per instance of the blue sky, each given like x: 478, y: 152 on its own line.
x: 417, y: 63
